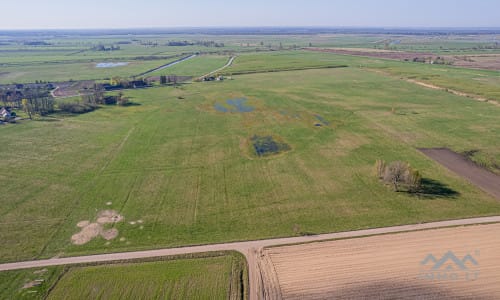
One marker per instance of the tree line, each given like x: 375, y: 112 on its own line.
x: 32, y: 100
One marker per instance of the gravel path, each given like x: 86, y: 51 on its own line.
x: 251, y: 249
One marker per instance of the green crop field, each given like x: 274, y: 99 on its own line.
x: 197, y: 66
x: 204, y: 276
x: 181, y: 171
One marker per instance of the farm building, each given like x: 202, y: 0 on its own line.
x: 5, y: 112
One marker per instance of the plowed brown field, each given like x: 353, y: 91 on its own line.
x: 390, y: 266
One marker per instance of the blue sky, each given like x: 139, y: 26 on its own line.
x: 30, y: 14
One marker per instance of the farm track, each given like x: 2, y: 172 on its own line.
x: 251, y: 249
x: 438, y: 88
x: 487, y: 181
x: 229, y: 63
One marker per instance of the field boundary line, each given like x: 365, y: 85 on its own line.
x: 438, y: 88
x: 227, y: 65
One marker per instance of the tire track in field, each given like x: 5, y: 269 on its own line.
x: 228, y: 64
x: 115, y: 153
x: 26, y: 198
x: 161, y: 203
x: 437, y: 88
x: 197, y: 196
x: 132, y: 187
x: 85, y: 189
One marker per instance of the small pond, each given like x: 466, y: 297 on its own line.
x: 235, y: 106
x: 105, y: 65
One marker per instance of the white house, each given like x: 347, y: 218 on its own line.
x: 4, y: 113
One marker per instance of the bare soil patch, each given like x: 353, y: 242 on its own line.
x: 482, y: 178
x: 110, y: 234
x: 33, y: 283
x: 109, y: 216
x: 392, y: 266
x: 397, y: 55
x: 83, y: 224
x: 90, y: 231
x: 71, y: 89
x: 484, y: 61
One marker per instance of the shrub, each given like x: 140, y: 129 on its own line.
x: 77, y: 108
x: 399, y: 174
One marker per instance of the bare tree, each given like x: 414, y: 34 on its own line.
x: 399, y: 174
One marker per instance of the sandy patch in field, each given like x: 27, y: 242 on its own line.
x: 110, y: 234
x: 108, y: 217
x: 42, y: 271
x: 32, y: 284
x: 393, y: 266
x: 90, y: 231
x: 83, y: 224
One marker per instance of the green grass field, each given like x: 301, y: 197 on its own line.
x: 282, y: 61
x: 180, y: 168
x: 74, y: 71
x: 204, y: 276
x: 197, y: 66
x: 187, y: 171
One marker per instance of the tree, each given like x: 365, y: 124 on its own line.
x: 399, y: 173
x: 414, y: 180
x: 395, y: 173
x: 27, y: 107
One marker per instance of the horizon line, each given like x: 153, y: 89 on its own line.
x: 261, y: 27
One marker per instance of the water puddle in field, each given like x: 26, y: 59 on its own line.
x: 234, y: 106
x: 105, y: 65
x: 268, y: 145
x: 290, y: 114
x: 322, y: 120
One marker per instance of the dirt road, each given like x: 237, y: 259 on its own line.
x: 251, y: 249
x: 229, y: 63
x: 487, y: 181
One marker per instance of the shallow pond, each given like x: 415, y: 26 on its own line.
x: 234, y: 105
x: 104, y: 65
